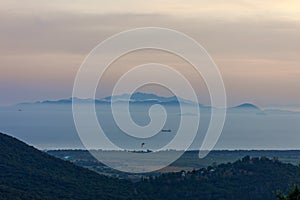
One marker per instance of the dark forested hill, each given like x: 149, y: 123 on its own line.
x: 27, y: 173
x: 246, y: 179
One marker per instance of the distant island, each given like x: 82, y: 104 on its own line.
x: 140, y: 98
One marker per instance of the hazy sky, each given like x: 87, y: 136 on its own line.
x: 256, y: 44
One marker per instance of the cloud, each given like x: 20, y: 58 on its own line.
x: 217, y: 8
x: 78, y: 33
x: 249, y: 40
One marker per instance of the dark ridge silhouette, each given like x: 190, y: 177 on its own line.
x: 27, y: 173
x: 245, y: 179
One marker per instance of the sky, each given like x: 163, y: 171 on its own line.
x: 256, y: 44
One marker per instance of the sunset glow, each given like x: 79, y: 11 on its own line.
x: 254, y: 43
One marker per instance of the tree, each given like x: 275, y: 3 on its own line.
x: 294, y: 194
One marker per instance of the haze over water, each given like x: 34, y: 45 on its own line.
x: 47, y: 126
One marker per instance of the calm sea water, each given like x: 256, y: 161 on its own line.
x: 52, y: 127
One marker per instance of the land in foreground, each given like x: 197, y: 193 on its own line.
x: 27, y: 173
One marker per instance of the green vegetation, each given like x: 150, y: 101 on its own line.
x: 249, y: 178
x: 27, y: 173
x: 294, y: 194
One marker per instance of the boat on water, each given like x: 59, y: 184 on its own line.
x: 166, y: 130
x: 141, y: 151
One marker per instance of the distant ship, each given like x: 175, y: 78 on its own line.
x: 166, y: 130
x: 141, y: 151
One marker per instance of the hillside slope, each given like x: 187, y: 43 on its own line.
x: 246, y: 179
x: 27, y: 173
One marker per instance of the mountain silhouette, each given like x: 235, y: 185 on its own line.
x: 27, y: 173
